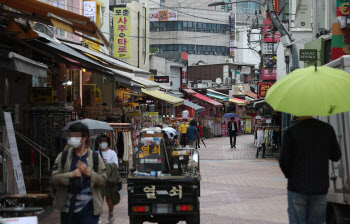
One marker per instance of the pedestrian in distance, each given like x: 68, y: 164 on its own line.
x: 183, y: 130
x: 78, y: 175
x: 307, y: 147
x: 192, y: 134
x: 111, y: 191
x: 232, y: 130
x: 200, y: 132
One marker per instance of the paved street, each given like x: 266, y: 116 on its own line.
x: 236, y: 187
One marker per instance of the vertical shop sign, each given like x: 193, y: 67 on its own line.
x: 232, y: 35
x: 340, y: 41
x: 17, y: 169
x: 262, y: 88
x: 90, y: 10
x: 343, y: 7
x: 122, y: 32
x: 184, y: 76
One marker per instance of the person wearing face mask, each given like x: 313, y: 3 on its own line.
x: 78, y: 175
x: 111, y: 190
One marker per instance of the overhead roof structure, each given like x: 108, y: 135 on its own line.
x: 207, y: 99
x: 62, y: 19
x: 194, y: 106
x: 175, y: 101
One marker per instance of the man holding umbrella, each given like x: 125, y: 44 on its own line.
x: 232, y: 129
x: 78, y: 176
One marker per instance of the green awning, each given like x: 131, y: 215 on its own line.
x: 223, y: 98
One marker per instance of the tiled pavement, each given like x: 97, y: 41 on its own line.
x: 236, y: 187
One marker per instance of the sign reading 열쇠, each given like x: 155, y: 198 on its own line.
x: 122, y: 32
x: 262, y: 88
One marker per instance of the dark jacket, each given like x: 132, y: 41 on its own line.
x: 229, y: 126
x: 192, y: 133
x: 306, y: 150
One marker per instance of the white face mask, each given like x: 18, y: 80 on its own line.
x: 103, y: 145
x: 74, y: 142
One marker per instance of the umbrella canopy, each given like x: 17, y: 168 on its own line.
x: 228, y: 115
x: 311, y: 92
x: 95, y: 127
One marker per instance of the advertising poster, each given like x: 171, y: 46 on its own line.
x: 248, y: 125
x: 224, y: 130
x: 184, y: 76
x: 122, y: 32
x: 90, y: 10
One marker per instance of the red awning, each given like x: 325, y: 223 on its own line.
x: 207, y: 99
x: 189, y: 91
x: 237, y: 99
x: 251, y: 94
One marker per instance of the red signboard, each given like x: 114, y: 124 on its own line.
x: 262, y: 88
x: 343, y: 7
x: 269, y: 36
x: 268, y: 74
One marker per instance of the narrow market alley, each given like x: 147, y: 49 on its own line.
x: 235, y: 188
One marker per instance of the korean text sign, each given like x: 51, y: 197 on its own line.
x: 262, y: 88
x: 122, y: 32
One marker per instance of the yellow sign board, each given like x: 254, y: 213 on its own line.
x: 41, y: 95
x: 122, y: 32
x: 151, y: 114
x: 248, y: 125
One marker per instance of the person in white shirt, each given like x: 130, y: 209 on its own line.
x: 109, y: 156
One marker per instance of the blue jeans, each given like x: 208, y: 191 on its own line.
x: 307, y: 209
x: 85, y: 216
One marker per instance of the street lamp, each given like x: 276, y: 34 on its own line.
x: 221, y: 2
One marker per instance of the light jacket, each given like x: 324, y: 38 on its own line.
x: 60, y: 181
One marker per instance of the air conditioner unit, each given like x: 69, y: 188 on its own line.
x: 209, y: 83
x: 229, y: 60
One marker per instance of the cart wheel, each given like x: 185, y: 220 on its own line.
x: 135, y: 220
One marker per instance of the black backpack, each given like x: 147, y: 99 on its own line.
x: 94, y: 159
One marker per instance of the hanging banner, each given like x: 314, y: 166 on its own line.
x: 232, y: 35
x: 224, y: 130
x: 17, y: 169
x: 122, y: 33
x: 163, y: 15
